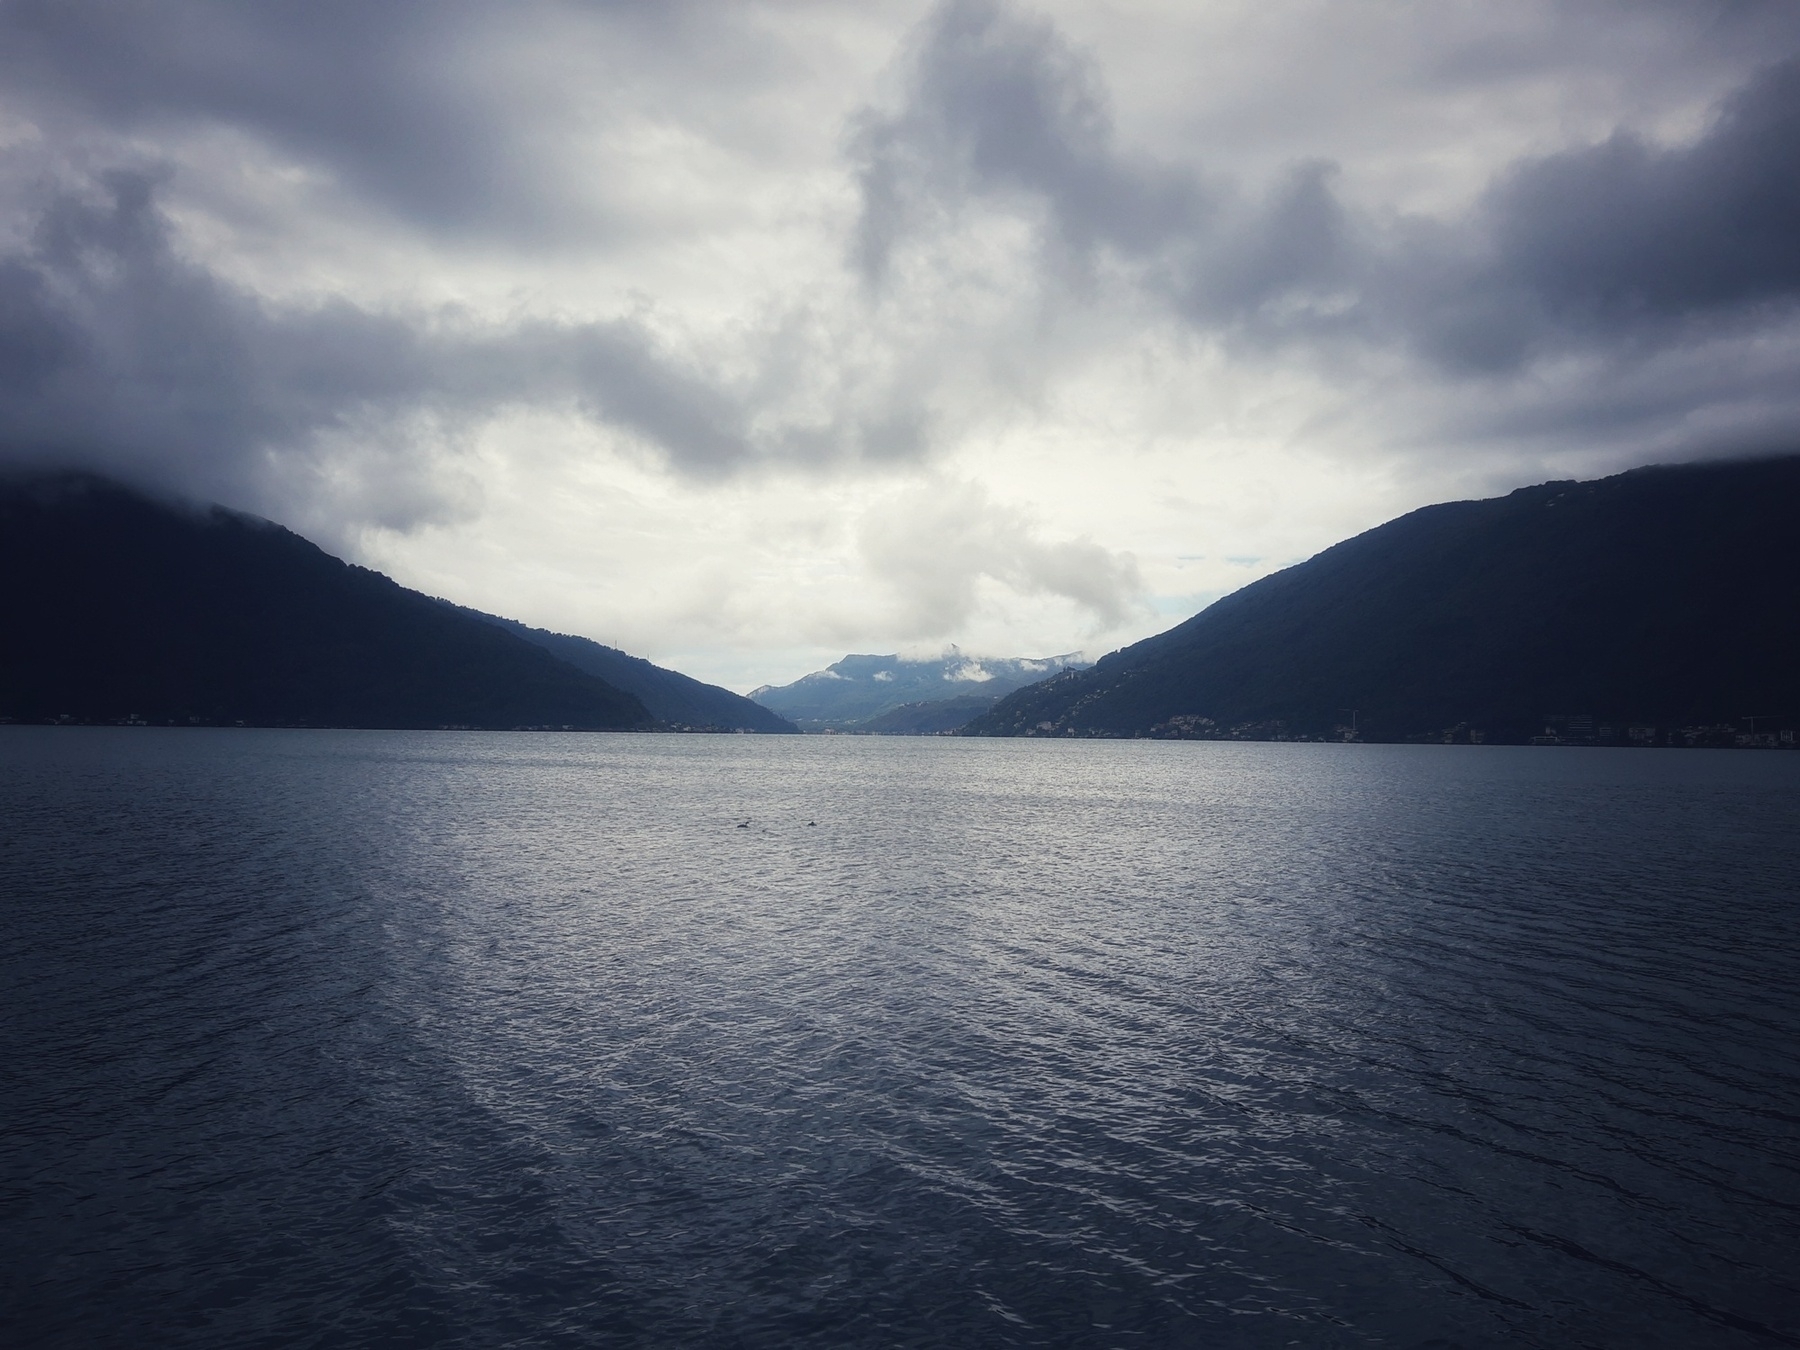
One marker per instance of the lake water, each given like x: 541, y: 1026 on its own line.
x: 360, y: 1038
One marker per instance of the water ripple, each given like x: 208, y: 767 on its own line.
x: 484, y: 1040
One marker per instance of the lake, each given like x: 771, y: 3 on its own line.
x: 466, y: 1039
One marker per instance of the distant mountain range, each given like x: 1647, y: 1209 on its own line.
x: 119, y: 607
x: 868, y: 693
x: 1657, y: 604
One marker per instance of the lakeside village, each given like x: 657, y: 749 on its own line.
x: 1758, y: 732
x: 1744, y: 736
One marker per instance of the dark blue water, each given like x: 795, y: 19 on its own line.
x: 340, y: 1039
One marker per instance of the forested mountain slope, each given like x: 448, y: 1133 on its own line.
x: 1664, y: 596
x: 116, y: 605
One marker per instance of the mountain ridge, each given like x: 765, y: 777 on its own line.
x: 122, y: 606
x: 675, y: 700
x: 1651, y: 597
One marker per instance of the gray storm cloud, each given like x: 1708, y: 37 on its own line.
x: 117, y: 352
x: 1627, y: 238
x: 1621, y: 241
x: 404, y: 100
x: 1000, y: 105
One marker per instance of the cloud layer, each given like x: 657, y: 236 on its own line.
x: 971, y: 322
x: 1620, y: 243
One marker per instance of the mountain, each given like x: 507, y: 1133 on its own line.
x: 1633, y: 605
x: 928, y: 719
x: 851, y: 692
x: 674, y: 699
x: 116, y: 606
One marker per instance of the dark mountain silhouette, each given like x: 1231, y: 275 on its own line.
x: 673, y: 699
x: 116, y: 606
x: 1661, y: 598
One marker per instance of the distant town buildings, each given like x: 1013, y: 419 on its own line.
x: 1582, y: 729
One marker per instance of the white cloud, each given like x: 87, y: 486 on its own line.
x: 931, y: 547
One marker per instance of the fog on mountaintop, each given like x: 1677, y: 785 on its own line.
x: 816, y: 332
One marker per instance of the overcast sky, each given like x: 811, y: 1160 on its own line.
x: 746, y: 335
